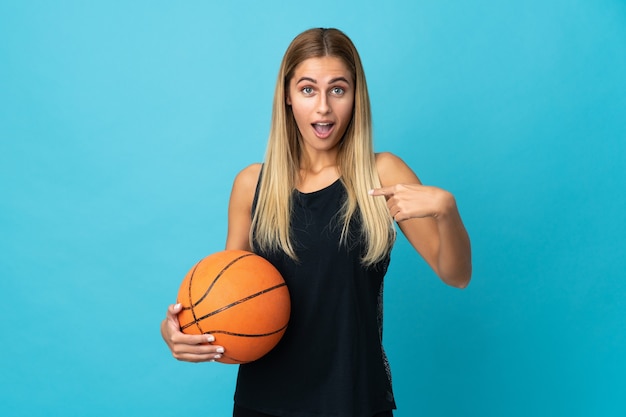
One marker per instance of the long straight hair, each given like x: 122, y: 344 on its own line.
x: 356, y: 161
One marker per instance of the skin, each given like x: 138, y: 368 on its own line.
x: 322, y: 91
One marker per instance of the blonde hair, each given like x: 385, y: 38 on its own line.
x: 356, y: 160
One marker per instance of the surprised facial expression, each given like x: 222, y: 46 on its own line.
x: 321, y: 96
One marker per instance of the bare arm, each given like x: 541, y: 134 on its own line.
x: 186, y: 347
x: 198, y: 348
x: 240, y: 208
x: 428, y: 217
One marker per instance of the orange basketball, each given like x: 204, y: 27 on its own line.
x: 238, y: 297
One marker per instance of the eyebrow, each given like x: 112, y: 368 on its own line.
x: 314, y: 81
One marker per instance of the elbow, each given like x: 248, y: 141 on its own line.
x: 461, y: 284
x: 458, y: 283
x: 459, y: 280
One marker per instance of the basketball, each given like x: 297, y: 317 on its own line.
x: 238, y: 297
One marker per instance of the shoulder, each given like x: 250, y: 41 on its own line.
x: 249, y: 176
x: 246, y: 181
x: 393, y: 170
x: 387, y: 161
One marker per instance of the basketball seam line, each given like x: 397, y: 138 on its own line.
x: 192, y: 305
x: 246, y: 334
x: 196, y: 320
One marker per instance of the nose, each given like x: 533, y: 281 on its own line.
x: 323, y: 107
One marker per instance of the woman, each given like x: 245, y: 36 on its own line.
x: 322, y: 209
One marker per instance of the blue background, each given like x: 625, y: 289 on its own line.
x: 123, y: 124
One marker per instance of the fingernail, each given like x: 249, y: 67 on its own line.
x: 370, y: 192
x: 217, y: 356
x: 220, y: 350
x: 211, y: 339
x: 178, y: 305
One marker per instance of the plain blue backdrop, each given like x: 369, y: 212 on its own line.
x: 123, y: 124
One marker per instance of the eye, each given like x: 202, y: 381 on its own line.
x: 307, y: 91
x: 338, y: 91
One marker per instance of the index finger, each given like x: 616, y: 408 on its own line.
x: 386, y: 191
x: 193, y: 339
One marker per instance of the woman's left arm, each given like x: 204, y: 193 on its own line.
x: 428, y: 217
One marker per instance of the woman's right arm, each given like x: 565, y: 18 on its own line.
x: 198, y: 348
x: 187, y: 347
x: 240, y: 208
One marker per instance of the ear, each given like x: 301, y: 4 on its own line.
x: 288, y: 99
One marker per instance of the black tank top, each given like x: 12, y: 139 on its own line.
x: 330, y: 362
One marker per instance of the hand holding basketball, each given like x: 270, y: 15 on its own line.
x: 184, y: 347
x: 240, y: 299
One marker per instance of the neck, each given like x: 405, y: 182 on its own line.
x: 316, y: 163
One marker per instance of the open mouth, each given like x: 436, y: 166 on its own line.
x: 323, y: 130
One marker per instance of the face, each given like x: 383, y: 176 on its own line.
x: 321, y: 96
